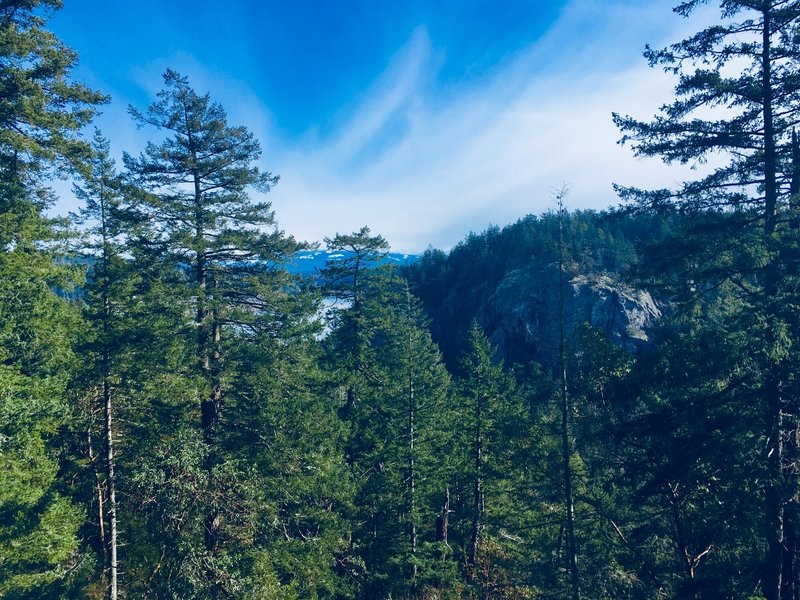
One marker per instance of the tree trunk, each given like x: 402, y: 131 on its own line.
x: 111, y: 490
x: 443, y: 522
x: 478, y: 494
x: 207, y: 358
x: 99, y: 486
x: 772, y: 387
x: 566, y: 412
x: 412, y: 491
x: 412, y: 440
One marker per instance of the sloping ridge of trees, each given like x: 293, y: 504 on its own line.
x: 188, y: 426
x: 456, y: 287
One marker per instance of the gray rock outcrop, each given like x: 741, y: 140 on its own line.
x: 522, y: 315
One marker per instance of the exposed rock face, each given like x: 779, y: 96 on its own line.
x: 522, y: 316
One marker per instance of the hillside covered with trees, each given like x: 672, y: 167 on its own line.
x: 578, y: 405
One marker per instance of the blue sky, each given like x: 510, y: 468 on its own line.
x: 422, y: 119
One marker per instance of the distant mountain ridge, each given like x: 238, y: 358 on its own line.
x: 309, y: 262
x: 304, y: 262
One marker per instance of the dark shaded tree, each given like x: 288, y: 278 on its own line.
x: 744, y: 68
x: 344, y: 278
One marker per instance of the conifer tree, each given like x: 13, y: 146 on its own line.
x: 688, y: 498
x: 38, y: 524
x: 413, y: 407
x: 345, y: 281
x: 488, y: 399
x: 228, y: 257
x: 400, y: 438
x: 105, y: 341
x: 42, y: 114
x: 745, y: 68
x: 566, y: 410
x: 42, y: 109
x: 298, y: 488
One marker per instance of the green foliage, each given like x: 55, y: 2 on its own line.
x: 245, y: 484
x: 754, y: 131
x: 398, y: 408
x: 260, y: 456
x: 343, y: 275
x: 735, y: 101
x: 42, y: 110
x: 492, y: 421
x: 286, y: 427
x: 36, y: 326
x: 455, y: 287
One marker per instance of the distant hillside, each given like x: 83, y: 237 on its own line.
x: 507, y: 280
x: 305, y: 262
x: 309, y: 262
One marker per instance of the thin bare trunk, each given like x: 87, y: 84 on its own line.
x: 412, y: 440
x: 444, y: 521
x: 99, y: 486
x: 108, y: 424
x: 566, y: 413
x: 112, y: 493
x: 478, y: 493
x: 772, y: 388
x: 412, y: 482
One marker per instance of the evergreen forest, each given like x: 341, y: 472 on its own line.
x: 581, y: 404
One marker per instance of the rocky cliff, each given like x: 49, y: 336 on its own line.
x: 522, y: 315
x: 507, y: 280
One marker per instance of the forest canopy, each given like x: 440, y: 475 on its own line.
x: 577, y: 405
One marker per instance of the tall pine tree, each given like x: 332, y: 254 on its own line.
x: 229, y: 258
x: 745, y: 69
x: 41, y: 113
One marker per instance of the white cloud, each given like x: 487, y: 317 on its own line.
x: 424, y: 163
x: 495, y: 151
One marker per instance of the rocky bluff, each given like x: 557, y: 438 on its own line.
x: 521, y: 316
x: 508, y: 281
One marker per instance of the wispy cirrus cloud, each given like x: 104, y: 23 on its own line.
x: 424, y: 160
x: 424, y: 165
